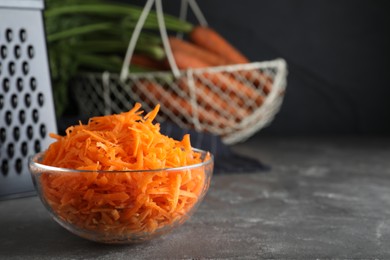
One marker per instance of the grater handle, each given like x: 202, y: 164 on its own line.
x: 23, y: 4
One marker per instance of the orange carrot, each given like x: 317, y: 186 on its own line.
x: 225, y: 82
x: 229, y: 84
x: 209, y: 39
x: 260, y: 80
x: 223, y: 103
x: 146, y: 62
x: 180, y: 105
x: 185, y: 60
x: 122, y: 203
x: 191, y: 49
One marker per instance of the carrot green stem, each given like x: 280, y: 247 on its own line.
x: 172, y: 23
x: 78, y: 31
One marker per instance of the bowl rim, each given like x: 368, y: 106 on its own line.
x: 43, y: 167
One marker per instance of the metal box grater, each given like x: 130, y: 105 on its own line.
x: 26, y: 105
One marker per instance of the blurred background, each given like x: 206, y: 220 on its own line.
x: 338, y: 56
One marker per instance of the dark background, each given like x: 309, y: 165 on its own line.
x: 337, y: 53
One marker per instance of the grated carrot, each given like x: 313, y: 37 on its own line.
x: 124, y: 202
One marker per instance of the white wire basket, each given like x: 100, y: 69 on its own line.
x: 232, y: 101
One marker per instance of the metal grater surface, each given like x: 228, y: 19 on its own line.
x: 26, y: 106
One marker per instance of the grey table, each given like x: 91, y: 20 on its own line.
x: 324, y: 198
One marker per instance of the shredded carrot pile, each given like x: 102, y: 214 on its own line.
x: 129, y: 202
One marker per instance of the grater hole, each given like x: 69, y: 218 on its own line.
x: 16, y: 133
x: 1, y: 101
x: 19, y: 84
x: 3, y: 135
x: 41, y: 99
x: 9, y: 34
x: 42, y: 130
x: 6, y: 84
x: 22, y: 116
x: 8, y: 118
x: 30, y: 132
x: 1, y: 66
x: 10, y: 150
x: 30, y: 51
x: 33, y: 84
x: 23, y: 35
x: 3, y: 52
x: 17, y: 51
x: 18, y: 165
x: 24, y: 148
x: 14, y: 100
x: 35, y: 115
x: 4, y: 167
x: 25, y: 68
x: 11, y: 68
x: 27, y: 100
x: 37, y: 146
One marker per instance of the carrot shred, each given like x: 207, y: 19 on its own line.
x: 122, y: 203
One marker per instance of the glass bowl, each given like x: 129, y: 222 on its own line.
x: 121, y: 206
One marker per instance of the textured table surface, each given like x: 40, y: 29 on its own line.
x: 324, y: 198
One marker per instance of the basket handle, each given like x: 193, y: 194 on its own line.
x: 137, y: 30
x: 195, y: 9
x: 163, y: 32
